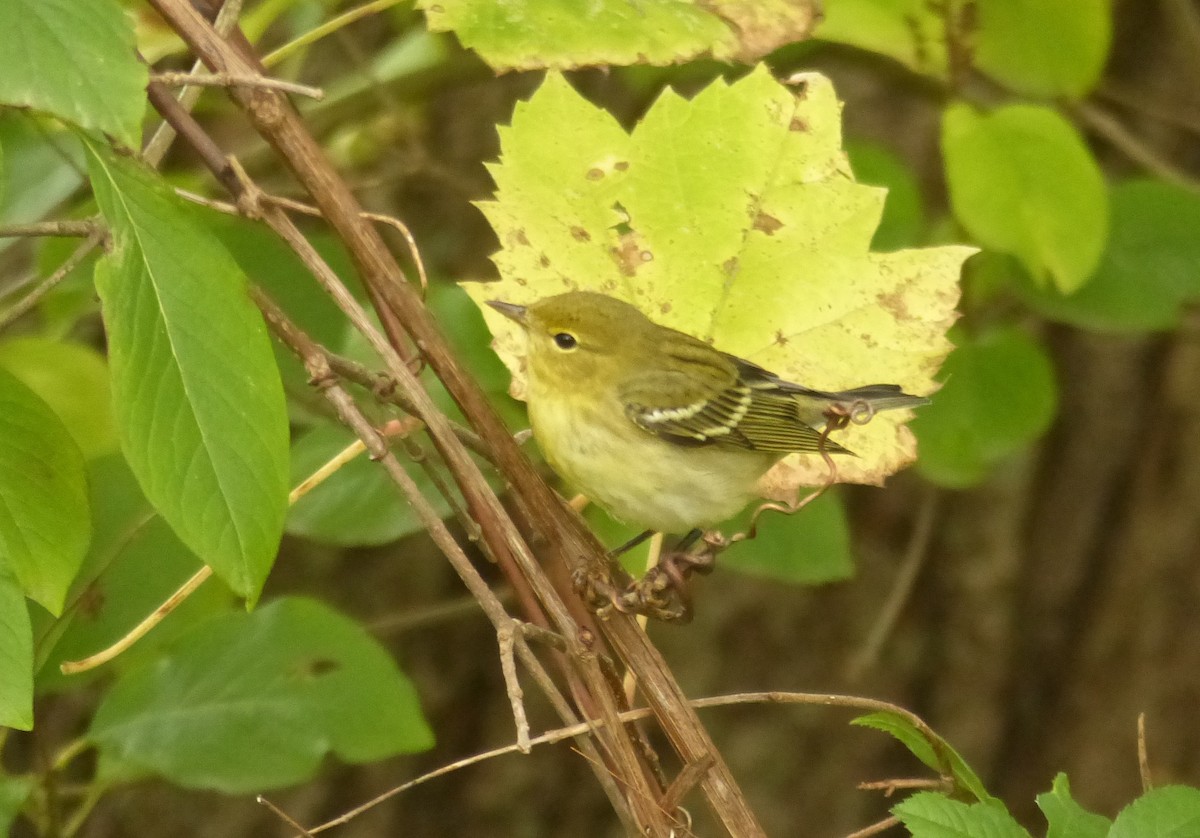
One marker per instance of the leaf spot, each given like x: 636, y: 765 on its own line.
x: 580, y: 234
x: 767, y: 223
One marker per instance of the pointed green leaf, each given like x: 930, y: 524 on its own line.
x: 938, y: 758
x: 1167, y: 812
x: 248, y: 702
x: 1044, y: 47
x: 44, y: 523
x: 1022, y: 181
x: 932, y: 815
x: 199, y: 404
x: 1066, y: 818
x: 76, y: 61
x: 73, y: 380
x: 528, y: 34
x: 16, y: 659
x: 999, y: 396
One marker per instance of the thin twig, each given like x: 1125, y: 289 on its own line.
x: 164, y: 135
x: 26, y: 303
x: 175, y: 79
x: 1132, y: 146
x: 308, y: 209
x: 328, y: 28
x: 506, y: 636
x: 890, y: 787
x: 627, y: 717
x: 876, y: 828
x: 141, y: 629
x: 283, y: 816
x: 49, y: 228
x: 1143, y: 754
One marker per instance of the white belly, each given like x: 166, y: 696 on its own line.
x: 642, y: 479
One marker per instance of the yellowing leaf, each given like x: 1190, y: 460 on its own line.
x: 528, y: 34
x: 734, y: 217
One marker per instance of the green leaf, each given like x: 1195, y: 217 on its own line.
x: 809, y: 547
x: 1066, y: 818
x: 16, y: 661
x: 734, y: 217
x: 76, y: 61
x: 248, y: 702
x: 73, y: 380
x: 938, y: 754
x: 1148, y: 271
x: 199, y: 405
x: 44, y: 525
x: 529, y: 34
x: 135, y: 563
x: 903, y: 214
x: 910, y: 31
x: 41, y: 169
x: 932, y: 815
x: 1022, y: 181
x: 1167, y: 812
x: 1044, y: 47
x: 14, y: 791
x: 357, y: 506
x: 999, y: 396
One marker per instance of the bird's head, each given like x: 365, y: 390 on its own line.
x: 579, y: 336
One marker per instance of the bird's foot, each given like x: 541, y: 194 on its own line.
x: 662, y: 593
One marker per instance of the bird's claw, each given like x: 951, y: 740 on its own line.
x: 662, y: 593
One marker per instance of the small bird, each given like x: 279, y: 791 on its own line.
x: 659, y: 428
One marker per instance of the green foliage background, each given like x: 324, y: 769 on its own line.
x: 1041, y: 556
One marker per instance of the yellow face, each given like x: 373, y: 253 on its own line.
x: 578, y: 337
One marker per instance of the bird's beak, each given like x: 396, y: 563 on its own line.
x: 517, y: 314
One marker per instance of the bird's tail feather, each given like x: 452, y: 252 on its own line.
x: 880, y: 397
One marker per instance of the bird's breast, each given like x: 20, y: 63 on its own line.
x: 636, y: 476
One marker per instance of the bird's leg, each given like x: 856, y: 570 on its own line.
x: 630, y: 544
x: 663, y: 592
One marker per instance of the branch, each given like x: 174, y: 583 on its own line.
x: 404, y: 316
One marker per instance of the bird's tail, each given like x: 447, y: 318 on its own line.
x: 879, y: 397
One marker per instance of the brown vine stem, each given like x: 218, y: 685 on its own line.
x: 403, y: 313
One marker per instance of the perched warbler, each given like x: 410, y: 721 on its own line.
x: 656, y: 426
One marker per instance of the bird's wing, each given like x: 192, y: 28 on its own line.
x: 745, y: 408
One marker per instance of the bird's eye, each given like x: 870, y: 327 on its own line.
x: 565, y: 341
